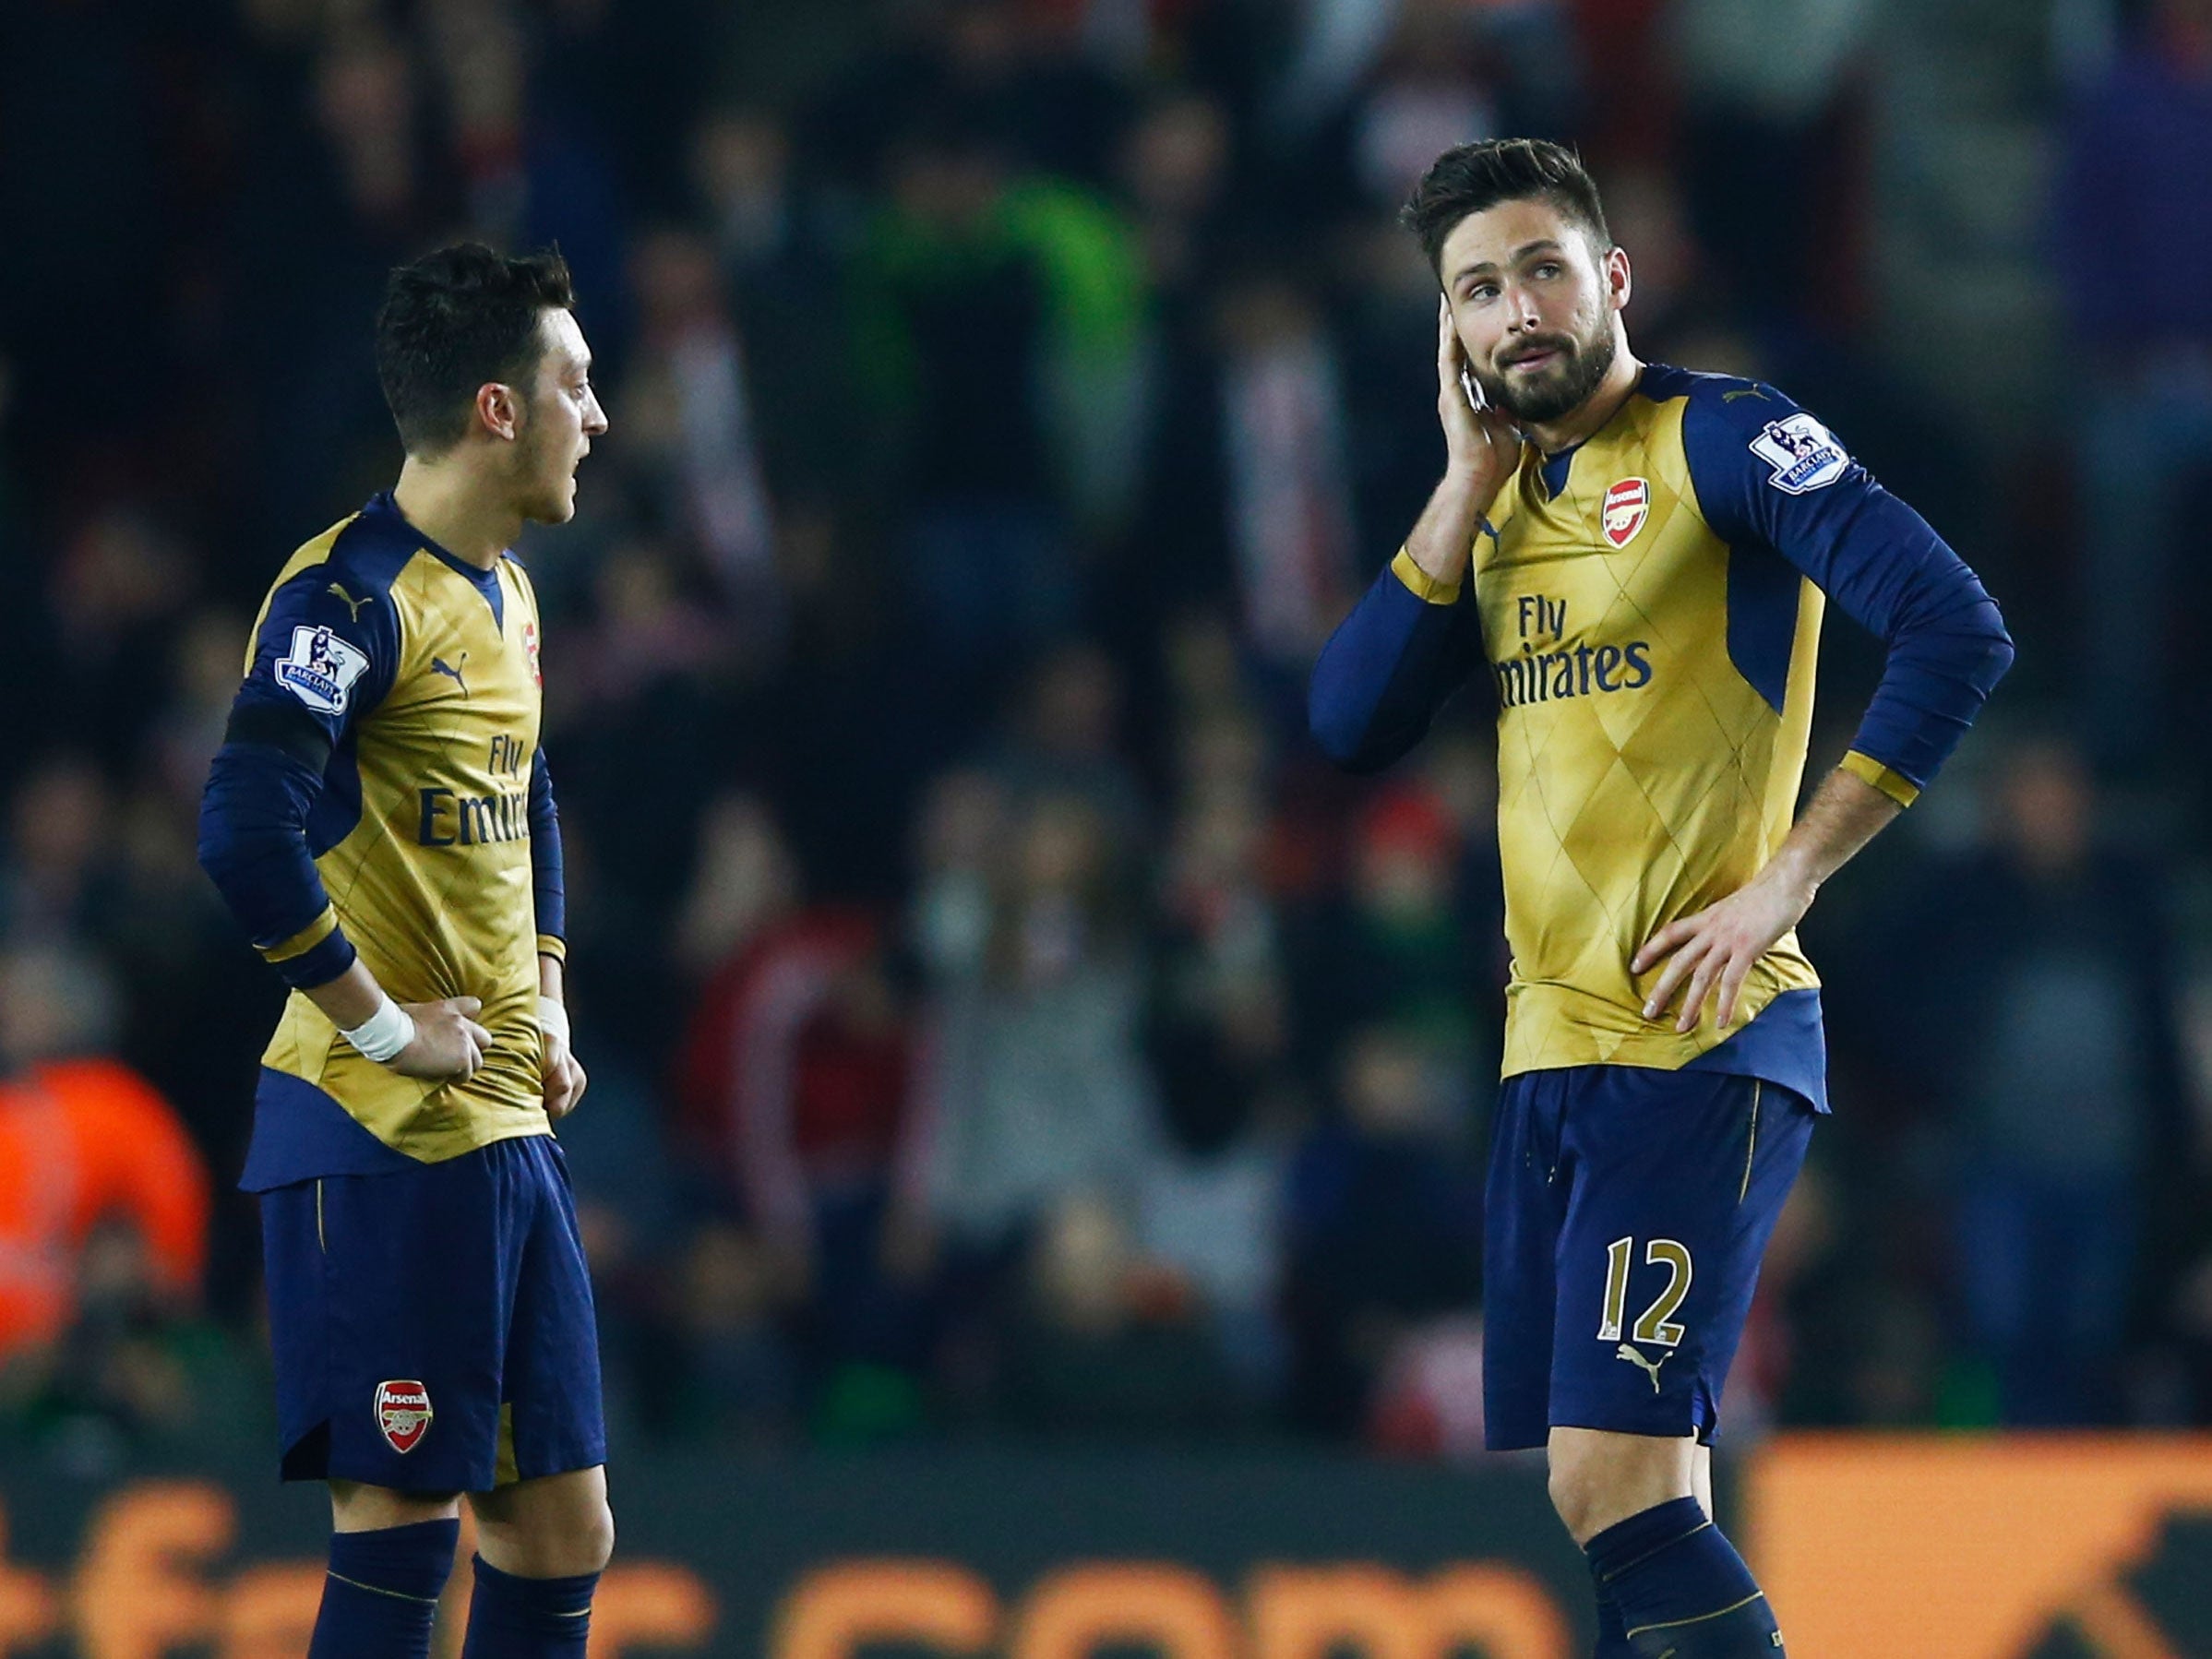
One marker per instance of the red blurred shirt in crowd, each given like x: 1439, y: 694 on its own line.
x: 796, y: 1068
x: 83, y: 1142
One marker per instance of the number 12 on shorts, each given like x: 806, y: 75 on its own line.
x: 1657, y: 1325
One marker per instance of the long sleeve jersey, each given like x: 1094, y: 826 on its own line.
x: 1647, y: 606
x: 380, y: 792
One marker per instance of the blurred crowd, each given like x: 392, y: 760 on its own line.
x: 1000, y: 1018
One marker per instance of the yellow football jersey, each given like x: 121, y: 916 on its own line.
x: 420, y: 674
x: 1648, y: 608
x: 1640, y: 776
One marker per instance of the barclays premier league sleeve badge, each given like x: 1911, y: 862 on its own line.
x: 320, y: 669
x: 1803, y: 454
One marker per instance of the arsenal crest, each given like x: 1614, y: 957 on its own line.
x: 530, y: 649
x: 1627, y: 505
x: 404, y: 1413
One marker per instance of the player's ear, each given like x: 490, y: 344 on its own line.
x: 500, y: 409
x: 1618, y: 280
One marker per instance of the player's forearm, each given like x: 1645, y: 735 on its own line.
x: 253, y: 845
x: 1443, y: 541
x: 1384, y: 672
x: 351, y: 999
x: 552, y: 980
x: 1847, y: 812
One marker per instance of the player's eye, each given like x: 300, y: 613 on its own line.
x: 1550, y: 269
x: 1483, y: 291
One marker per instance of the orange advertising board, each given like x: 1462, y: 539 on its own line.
x: 1928, y: 1547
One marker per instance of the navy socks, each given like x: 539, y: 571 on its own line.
x: 528, y: 1618
x: 1682, y: 1590
x: 382, y: 1591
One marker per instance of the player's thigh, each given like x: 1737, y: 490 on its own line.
x: 554, y: 1526
x: 1679, y: 1179
x: 552, y: 1419
x: 1599, y: 1478
x: 356, y: 1507
x: 1523, y: 1207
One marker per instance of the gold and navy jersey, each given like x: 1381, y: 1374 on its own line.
x: 1646, y: 608
x: 380, y: 792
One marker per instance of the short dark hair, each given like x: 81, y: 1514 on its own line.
x: 453, y: 320
x: 1475, y: 177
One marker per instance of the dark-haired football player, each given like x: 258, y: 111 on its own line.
x: 1637, y: 558
x: 381, y: 821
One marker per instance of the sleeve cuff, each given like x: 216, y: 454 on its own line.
x: 553, y: 946
x: 1890, y: 782
x: 1424, y: 586
x: 301, y: 942
x: 320, y: 964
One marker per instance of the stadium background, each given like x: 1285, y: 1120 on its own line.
x: 1037, y: 1107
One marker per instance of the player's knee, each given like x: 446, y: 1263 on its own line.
x: 1575, y: 1495
x: 594, y: 1541
x: 1597, y: 1479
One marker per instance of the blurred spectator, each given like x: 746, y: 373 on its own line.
x: 999, y: 332
x: 785, y: 292
x: 795, y: 1088
x: 1764, y: 84
x: 1064, y: 739
x: 1386, y: 1228
x: 1211, y: 1203
x: 84, y: 1143
x: 2130, y: 196
x: 733, y: 1373
x: 690, y: 429
x: 115, y: 594
x: 54, y: 880
x: 1033, y: 1085
x: 1400, y: 946
x: 1249, y: 502
x: 1107, y: 1346
x: 2057, y: 1045
x: 1284, y: 462
x: 632, y: 709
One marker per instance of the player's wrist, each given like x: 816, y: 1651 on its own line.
x: 385, y: 1034
x: 552, y: 1020
x: 1796, y: 870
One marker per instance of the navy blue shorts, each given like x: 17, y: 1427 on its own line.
x: 1627, y: 1211
x: 433, y: 1327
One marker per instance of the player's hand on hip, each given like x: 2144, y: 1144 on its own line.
x: 1480, y: 444
x: 1716, y: 948
x: 447, y: 1041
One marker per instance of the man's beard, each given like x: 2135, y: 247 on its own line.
x: 1559, y: 389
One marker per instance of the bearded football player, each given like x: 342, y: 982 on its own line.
x: 1636, y: 557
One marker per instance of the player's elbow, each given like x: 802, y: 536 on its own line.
x: 1344, y: 730
x: 1979, y: 643
x: 221, y: 848
x: 1998, y: 651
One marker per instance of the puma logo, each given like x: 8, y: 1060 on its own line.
x: 352, y: 605
x: 1650, y: 1368
x: 439, y: 665
x: 1743, y: 391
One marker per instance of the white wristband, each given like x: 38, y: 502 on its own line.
x: 552, y: 1020
x: 384, y: 1034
